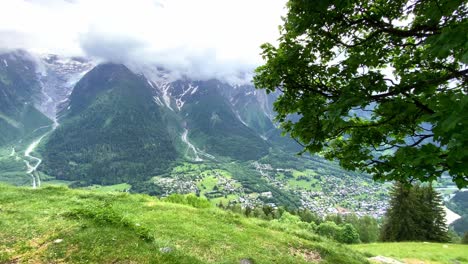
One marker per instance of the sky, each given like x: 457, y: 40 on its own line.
x: 204, y: 38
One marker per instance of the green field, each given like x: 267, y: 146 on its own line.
x: 123, y: 187
x: 304, y: 180
x: 61, y: 225
x: 418, y: 252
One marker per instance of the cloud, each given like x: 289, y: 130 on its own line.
x: 115, y: 48
x: 201, y: 39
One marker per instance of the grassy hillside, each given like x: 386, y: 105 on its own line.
x: 418, y: 252
x: 55, y: 224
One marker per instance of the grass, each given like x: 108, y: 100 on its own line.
x: 418, y: 252
x: 304, y: 184
x: 224, y: 200
x: 207, y: 184
x: 57, y: 224
x: 122, y: 187
x: 189, y: 167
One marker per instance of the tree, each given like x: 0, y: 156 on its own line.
x: 368, y: 229
x: 258, y: 213
x: 309, y: 217
x: 328, y: 229
x: 366, y: 226
x: 415, y: 214
x: 334, y: 218
x: 379, y: 85
x: 289, y: 218
x: 465, y: 238
x: 399, y: 224
x: 433, y: 214
x: 348, y: 234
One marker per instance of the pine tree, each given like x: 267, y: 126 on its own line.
x: 399, y: 223
x: 436, y: 230
x: 415, y: 213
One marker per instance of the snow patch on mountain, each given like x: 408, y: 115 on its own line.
x: 151, y: 84
x: 157, y: 78
x: 164, y: 88
x: 57, y: 76
x: 194, y: 90
x: 191, y: 89
x: 158, y: 101
x: 240, y: 118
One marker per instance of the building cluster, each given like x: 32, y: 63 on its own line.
x: 335, y: 194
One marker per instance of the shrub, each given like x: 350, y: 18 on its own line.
x: 189, y: 199
x: 328, y: 229
x: 197, y: 202
x: 348, y: 234
x: 288, y: 218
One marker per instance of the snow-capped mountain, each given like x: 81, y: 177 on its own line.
x: 57, y: 77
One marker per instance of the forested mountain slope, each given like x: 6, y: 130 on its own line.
x: 19, y: 88
x: 112, y: 131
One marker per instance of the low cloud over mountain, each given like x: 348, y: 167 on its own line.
x: 177, y: 34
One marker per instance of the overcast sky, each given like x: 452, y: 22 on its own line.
x: 216, y: 35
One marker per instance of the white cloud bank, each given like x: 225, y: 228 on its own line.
x: 200, y: 38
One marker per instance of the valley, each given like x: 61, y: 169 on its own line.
x: 306, y: 189
x: 210, y: 138
x: 31, y: 169
x: 243, y: 132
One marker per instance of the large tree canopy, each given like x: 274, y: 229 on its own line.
x: 379, y: 85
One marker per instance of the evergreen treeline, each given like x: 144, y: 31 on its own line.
x: 415, y: 214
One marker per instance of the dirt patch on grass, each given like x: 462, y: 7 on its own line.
x: 418, y: 261
x: 151, y: 203
x: 307, y: 254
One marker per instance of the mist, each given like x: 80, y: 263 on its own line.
x: 198, y: 39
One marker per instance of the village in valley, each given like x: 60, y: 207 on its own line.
x: 322, y: 194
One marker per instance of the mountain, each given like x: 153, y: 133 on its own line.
x: 459, y: 205
x: 253, y: 110
x: 213, y: 123
x: 116, y: 128
x: 224, y: 117
x: 112, y: 131
x: 19, y: 90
